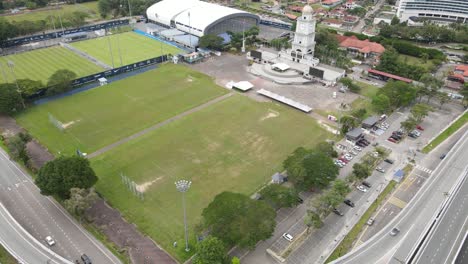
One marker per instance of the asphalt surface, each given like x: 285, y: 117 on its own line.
x: 383, y: 248
x: 450, y: 230
x: 41, y: 216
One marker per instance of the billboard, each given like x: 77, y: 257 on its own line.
x: 316, y: 72
x: 256, y: 54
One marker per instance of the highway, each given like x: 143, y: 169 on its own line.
x: 412, y: 221
x: 450, y: 230
x: 40, y: 216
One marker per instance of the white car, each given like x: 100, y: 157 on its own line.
x: 348, y: 157
x: 49, y: 241
x: 361, y: 188
x: 357, y: 148
x: 380, y: 169
x: 353, y: 152
x: 288, y: 237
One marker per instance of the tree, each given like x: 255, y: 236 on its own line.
x: 80, y: 200
x: 340, y: 187
x: 29, y: 87
x: 361, y: 171
x: 359, y: 113
x: 327, y: 201
x: 17, y: 147
x: 327, y: 148
x: 235, y: 260
x: 395, y: 21
x: 211, y: 41
x: 399, y: 93
x: 312, y: 219
x: 60, y: 81
x: 381, y: 103
x: 463, y: 92
x: 320, y: 170
x: 236, y: 219
x: 210, y: 250
x: 76, y: 18
x: 350, y: 84
x: 443, y: 98
x: 279, y: 196
x: 10, y: 99
x: 348, y: 123
x: 409, y: 124
x: 432, y: 85
x: 58, y: 176
x: 420, y: 111
x: 293, y: 165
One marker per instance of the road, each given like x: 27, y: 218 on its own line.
x: 360, y: 25
x: 41, y: 216
x: 448, y: 235
x: 383, y: 248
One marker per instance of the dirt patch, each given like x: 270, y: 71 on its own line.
x: 69, y: 124
x: 328, y: 128
x: 189, y: 79
x: 271, y: 114
x: 143, y: 187
x: 141, y: 249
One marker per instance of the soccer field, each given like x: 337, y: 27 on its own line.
x: 90, y: 8
x: 104, y: 115
x: 235, y: 145
x: 40, y: 64
x: 133, y: 47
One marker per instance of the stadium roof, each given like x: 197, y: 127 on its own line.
x: 194, y: 15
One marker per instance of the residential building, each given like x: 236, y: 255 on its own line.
x: 364, y: 48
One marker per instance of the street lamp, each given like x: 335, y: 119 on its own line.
x: 183, y: 186
x: 11, y: 65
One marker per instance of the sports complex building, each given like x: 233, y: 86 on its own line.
x: 200, y: 18
x: 442, y: 11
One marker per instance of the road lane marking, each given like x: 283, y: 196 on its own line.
x: 397, y: 202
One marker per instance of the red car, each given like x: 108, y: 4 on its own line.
x: 344, y: 160
x: 420, y: 127
x: 392, y: 140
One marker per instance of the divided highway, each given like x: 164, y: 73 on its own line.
x: 412, y: 221
x: 40, y: 216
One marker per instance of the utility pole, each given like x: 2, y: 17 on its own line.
x: 183, y: 186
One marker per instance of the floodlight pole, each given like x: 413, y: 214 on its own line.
x: 110, y: 49
x: 11, y: 65
x: 183, y: 186
x: 190, y: 28
x: 129, y: 8
x: 118, y: 47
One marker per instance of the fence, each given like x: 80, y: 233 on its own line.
x: 60, y: 33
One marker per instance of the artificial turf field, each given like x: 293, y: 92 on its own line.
x: 133, y: 47
x: 40, y: 64
x: 103, y: 115
x: 235, y: 144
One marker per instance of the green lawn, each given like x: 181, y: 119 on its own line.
x: 104, y: 115
x: 90, y: 8
x: 235, y: 145
x: 367, y: 90
x: 133, y: 47
x: 40, y: 64
x: 416, y: 61
x: 447, y: 133
x: 5, y: 257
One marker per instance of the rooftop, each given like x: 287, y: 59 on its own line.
x: 463, y: 69
x: 364, y: 46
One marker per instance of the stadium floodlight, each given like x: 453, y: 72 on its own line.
x: 183, y: 186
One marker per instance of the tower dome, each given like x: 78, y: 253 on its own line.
x: 307, y: 9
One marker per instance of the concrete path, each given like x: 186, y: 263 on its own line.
x: 158, y: 125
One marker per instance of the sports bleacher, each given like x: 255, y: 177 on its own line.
x: 285, y: 100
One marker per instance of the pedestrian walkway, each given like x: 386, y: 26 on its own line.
x: 421, y: 168
x: 158, y: 125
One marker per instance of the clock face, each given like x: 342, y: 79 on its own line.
x: 303, y: 27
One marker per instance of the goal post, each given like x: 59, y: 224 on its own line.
x: 56, y: 122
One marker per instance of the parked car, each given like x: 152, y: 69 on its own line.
x: 357, y: 148
x: 419, y: 127
x: 412, y: 135
x: 380, y: 169
x: 370, y: 221
x: 391, y: 140
x: 443, y: 156
x: 49, y: 241
x: 86, y: 259
x: 288, y: 237
x: 394, y: 231
x: 349, y: 203
x: 353, y: 152
x: 389, y: 161
x: 338, y: 212
x: 361, y: 188
x: 367, y: 184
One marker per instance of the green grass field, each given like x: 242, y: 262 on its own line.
x: 416, y: 61
x: 133, y: 47
x: 235, y: 145
x: 90, y: 8
x: 5, y: 257
x: 40, y: 64
x: 106, y: 114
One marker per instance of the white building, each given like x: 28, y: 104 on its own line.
x: 303, y: 45
x: 200, y: 18
x: 442, y: 11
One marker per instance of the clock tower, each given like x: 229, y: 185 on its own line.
x: 303, y: 44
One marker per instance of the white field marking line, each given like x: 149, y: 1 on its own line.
x: 412, y: 203
x: 462, y: 230
x: 4, y: 210
x: 65, y: 214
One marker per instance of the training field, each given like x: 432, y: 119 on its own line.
x: 235, y: 145
x: 104, y: 115
x: 90, y: 8
x: 40, y: 64
x: 133, y: 47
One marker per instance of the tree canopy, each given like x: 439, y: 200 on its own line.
x: 279, y: 196
x: 10, y: 99
x: 210, y: 250
x: 60, y: 81
x: 211, y: 42
x: 58, y: 176
x: 236, y: 219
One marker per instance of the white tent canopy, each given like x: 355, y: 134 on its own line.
x: 243, y: 86
x: 280, y: 66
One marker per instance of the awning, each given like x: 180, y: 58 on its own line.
x: 280, y: 66
x: 243, y: 86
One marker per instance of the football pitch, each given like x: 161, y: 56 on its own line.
x: 101, y: 116
x: 234, y: 144
x: 40, y: 64
x: 132, y: 46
